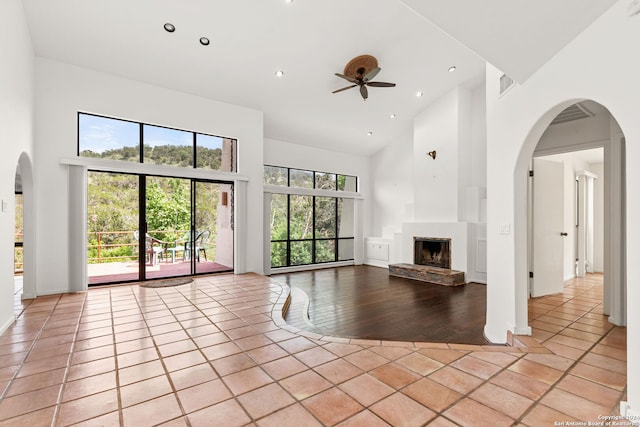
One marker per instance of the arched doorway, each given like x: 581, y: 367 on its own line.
x: 597, y: 129
x: 24, y: 184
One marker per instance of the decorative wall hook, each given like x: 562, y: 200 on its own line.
x: 432, y: 154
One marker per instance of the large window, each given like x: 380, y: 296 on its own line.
x: 143, y: 226
x: 310, y: 229
x: 116, y: 139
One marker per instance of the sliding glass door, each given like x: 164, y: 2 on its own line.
x: 149, y: 227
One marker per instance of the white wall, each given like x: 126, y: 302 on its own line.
x: 62, y: 90
x: 515, y: 123
x: 392, y: 186
x: 439, y: 128
x: 598, y: 217
x: 16, y: 134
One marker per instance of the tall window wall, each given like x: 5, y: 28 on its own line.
x: 148, y: 226
x: 310, y: 228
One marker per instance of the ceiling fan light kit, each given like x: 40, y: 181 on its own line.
x: 360, y: 71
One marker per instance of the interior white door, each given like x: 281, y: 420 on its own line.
x: 548, y: 222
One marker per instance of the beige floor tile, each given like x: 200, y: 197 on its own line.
x: 366, y: 360
x: 296, y: 345
x: 456, y: 380
x: 338, y: 371
x: 305, y: 384
x: 399, y: 410
x: 392, y: 353
x: 496, y: 358
x: 315, y: 356
x: 366, y: 389
x: 604, y: 362
x: 27, y: 402
x: 521, y: 384
x: 551, y: 360
x: 477, y: 367
x: 471, y: 413
x: 203, y: 395
x: 442, y: 355
x: 231, y: 364
x: 283, y: 368
x: 601, y: 376
x: 394, y: 375
x: 332, y: 406
x: 597, y: 393
x: 135, y: 393
x: 178, y: 347
x: 364, y: 418
x: 247, y: 380
x: 36, y: 382
x: 88, y: 407
x: 536, y: 371
x: 265, y: 400
x: 574, y: 405
x: 88, y: 386
x: 502, y: 400
x: 42, y: 417
x: 292, y: 416
x: 432, y: 394
x: 419, y: 363
x: 152, y: 412
x: 219, y: 351
x: 267, y: 353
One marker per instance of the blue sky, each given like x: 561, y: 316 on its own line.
x: 99, y: 134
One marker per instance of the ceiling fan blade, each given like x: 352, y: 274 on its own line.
x: 371, y: 74
x: 380, y: 84
x: 364, y: 92
x: 344, y: 88
x: 347, y: 78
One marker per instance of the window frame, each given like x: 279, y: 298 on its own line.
x: 314, y: 193
x: 141, y: 144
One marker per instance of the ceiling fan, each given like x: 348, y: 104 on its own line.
x: 359, y: 71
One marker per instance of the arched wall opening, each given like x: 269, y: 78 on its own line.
x: 615, y: 222
x: 25, y: 167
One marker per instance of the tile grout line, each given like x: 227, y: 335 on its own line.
x: 56, y: 411
x: 28, y: 352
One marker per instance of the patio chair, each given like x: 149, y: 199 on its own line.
x: 153, y: 252
x: 201, y: 242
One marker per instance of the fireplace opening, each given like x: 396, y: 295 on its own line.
x: 432, y: 251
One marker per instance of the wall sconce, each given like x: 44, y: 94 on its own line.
x: 432, y: 154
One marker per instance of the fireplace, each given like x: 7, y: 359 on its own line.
x: 431, y: 251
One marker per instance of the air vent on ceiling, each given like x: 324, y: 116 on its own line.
x: 571, y: 113
x: 505, y: 83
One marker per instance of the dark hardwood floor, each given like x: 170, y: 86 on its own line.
x: 365, y: 302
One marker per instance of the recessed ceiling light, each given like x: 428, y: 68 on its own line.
x: 419, y: 94
x: 204, y: 41
x: 169, y: 27
x: 452, y: 68
x: 369, y: 133
x: 288, y: 1
x: 279, y: 73
x: 392, y: 116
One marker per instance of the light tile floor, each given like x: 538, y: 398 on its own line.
x: 218, y: 353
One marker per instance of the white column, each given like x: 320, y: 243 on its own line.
x: 77, y: 228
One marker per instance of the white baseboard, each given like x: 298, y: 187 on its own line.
x: 7, y: 323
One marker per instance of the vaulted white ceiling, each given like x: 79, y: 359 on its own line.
x: 415, y: 42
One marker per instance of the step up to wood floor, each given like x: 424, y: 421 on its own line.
x: 426, y: 273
